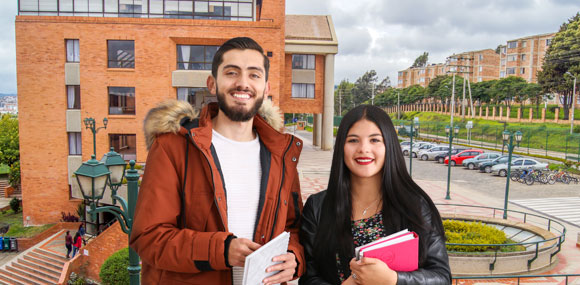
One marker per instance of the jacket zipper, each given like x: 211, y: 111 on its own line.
x: 281, y: 185
x: 212, y: 180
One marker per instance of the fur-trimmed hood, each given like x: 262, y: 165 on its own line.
x: 167, y: 116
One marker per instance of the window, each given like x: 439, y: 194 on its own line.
x: 73, y: 97
x: 523, y: 57
x: 479, y: 79
x: 524, y: 43
x: 125, y: 145
x: 422, y: 80
x: 529, y: 162
x: 122, y: 100
x: 512, y: 57
x: 501, y: 74
x: 75, y: 144
x: 72, y: 51
x: 502, y: 62
x: 197, y: 97
x: 302, y: 90
x: 503, y: 49
x: 303, y: 61
x: 517, y: 162
x: 480, y: 68
x: 121, y: 54
x: 422, y: 71
x: 400, y: 81
x: 195, y: 57
x: 548, y: 42
x: 400, y: 73
x: 523, y: 70
x: 511, y: 70
x: 512, y: 44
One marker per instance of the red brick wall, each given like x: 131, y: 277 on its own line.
x: 303, y: 105
x: 40, y: 52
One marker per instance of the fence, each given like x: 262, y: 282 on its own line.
x: 535, y: 140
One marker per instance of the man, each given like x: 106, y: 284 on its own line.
x: 219, y: 186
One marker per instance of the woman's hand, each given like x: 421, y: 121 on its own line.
x: 371, y: 271
x: 349, y: 281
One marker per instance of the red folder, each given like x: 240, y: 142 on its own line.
x: 399, y: 251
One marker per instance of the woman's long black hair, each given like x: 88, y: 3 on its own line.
x: 402, y: 198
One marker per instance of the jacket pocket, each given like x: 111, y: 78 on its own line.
x: 296, y: 210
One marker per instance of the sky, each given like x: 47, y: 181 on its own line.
x: 387, y: 35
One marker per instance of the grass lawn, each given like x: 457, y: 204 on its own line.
x: 4, y: 169
x: 16, y: 227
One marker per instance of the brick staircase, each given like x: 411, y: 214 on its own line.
x: 3, y: 185
x: 38, y: 266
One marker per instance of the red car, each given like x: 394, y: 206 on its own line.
x: 460, y: 157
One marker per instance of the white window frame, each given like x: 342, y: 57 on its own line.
x: 72, y: 50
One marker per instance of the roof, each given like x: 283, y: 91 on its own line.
x: 310, y: 28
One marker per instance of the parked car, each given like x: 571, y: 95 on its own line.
x: 473, y: 163
x: 440, y: 158
x: 431, y: 153
x: 520, y: 163
x: 427, y: 146
x: 404, y: 144
x: 486, y: 166
x: 460, y: 157
x: 416, y: 145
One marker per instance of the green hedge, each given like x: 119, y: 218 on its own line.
x: 114, y: 270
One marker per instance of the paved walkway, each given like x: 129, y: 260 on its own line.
x: 314, y: 170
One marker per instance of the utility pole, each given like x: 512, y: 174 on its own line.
x: 470, y: 99
x: 340, y: 102
x: 463, y: 101
x: 373, y: 94
x: 398, y: 106
x: 452, y: 102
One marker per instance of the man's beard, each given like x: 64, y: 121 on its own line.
x: 238, y: 113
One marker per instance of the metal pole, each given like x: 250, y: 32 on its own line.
x: 398, y: 106
x: 373, y: 94
x: 452, y: 102
x: 132, y: 191
x: 507, y: 178
x: 411, y: 153
x: 573, y: 104
x: 448, y: 196
x: 547, y: 135
x: 463, y: 101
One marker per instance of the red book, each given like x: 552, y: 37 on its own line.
x: 400, y: 251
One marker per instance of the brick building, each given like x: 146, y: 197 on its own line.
x: 419, y: 75
x: 119, y: 58
x: 524, y: 57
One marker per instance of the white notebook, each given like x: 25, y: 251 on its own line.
x: 259, y: 260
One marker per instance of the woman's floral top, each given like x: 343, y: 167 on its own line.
x: 363, y: 231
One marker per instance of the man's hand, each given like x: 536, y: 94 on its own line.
x: 287, y: 269
x: 239, y: 249
x: 372, y: 271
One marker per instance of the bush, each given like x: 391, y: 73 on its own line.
x: 14, y: 175
x: 114, y: 270
x: 15, y: 205
x: 70, y: 218
x: 471, y: 233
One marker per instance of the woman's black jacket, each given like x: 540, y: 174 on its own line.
x: 434, y: 271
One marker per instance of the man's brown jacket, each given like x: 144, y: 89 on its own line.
x: 194, y: 253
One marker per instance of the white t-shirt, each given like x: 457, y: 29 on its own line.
x: 242, y: 172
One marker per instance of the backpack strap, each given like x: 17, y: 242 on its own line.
x: 188, y: 124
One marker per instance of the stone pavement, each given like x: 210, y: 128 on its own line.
x: 314, y: 170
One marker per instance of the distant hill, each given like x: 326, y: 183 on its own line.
x: 6, y: 95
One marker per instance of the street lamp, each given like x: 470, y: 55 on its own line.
x: 506, y: 135
x: 573, y: 103
x: 91, y: 125
x: 450, y: 134
x: 93, y: 176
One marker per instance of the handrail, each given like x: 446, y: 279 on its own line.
x: 561, y: 237
x: 518, y: 277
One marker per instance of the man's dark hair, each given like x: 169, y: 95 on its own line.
x: 238, y: 43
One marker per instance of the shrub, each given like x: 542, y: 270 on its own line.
x: 114, y: 270
x: 68, y: 217
x: 14, y: 175
x: 15, y: 205
x: 471, y: 233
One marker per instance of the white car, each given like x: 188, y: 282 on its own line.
x: 520, y: 163
x: 431, y: 153
x: 427, y: 146
x: 416, y: 145
x: 473, y: 163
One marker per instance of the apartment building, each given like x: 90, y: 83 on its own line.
x: 476, y: 66
x: 117, y: 59
x: 524, y: 57
x: 420, y: 75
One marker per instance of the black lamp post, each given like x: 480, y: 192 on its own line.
x: 506, y: 135
x: 450, y: 134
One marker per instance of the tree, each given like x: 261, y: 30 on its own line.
x: 508, y: 89
x: 563, y: 55
x: 535, y: 95
x: 9, y: 143
x: 364, y: 86
x: 421, y: 61
x: 482, y: 91
x: 343, y: 97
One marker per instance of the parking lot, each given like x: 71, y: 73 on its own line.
x: 489, y: 184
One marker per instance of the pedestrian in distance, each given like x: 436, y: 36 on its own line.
x: 82, y: 232
x: 77, y: 243
x: 370, y: 195
x: 219, y: 184
x: 68, y: 240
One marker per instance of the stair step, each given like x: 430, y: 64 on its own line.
x: 43, y: 262
x: 42, y: 273
x: 35, y: 265
x: 54, y: 255
x: 17, y: 277
x: 5, y: 279
x: 46, y: 258
x: 29, y: 275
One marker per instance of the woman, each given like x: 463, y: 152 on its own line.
x: 77, y: 243
x: 370, y: 195
x: 68, y: 243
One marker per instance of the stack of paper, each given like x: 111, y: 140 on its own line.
x: 400, y: 251
x: 259, y: 260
